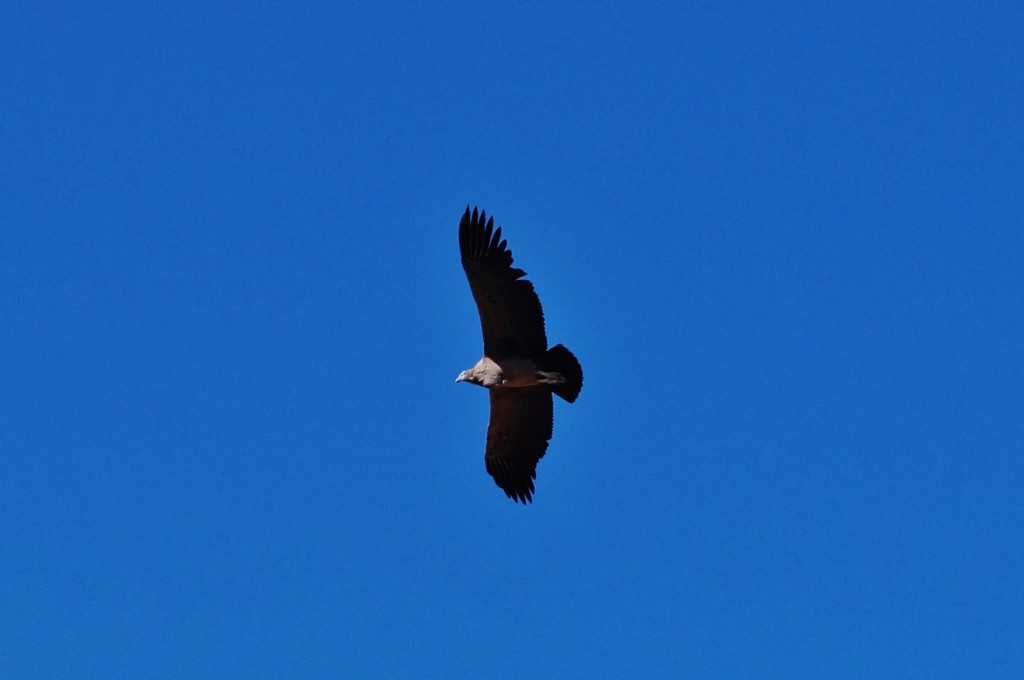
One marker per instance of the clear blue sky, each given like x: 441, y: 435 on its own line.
x: 786, y: 242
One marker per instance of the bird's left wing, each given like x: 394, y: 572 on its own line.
x: 510, y: 313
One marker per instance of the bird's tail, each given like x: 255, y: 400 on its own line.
x: 560, y: 360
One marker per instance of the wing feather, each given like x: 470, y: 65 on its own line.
x: 511, y: 317
x: 517, y: 438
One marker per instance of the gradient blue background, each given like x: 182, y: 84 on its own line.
x: 785, y: 240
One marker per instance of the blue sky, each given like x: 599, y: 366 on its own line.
x: 785, y: 241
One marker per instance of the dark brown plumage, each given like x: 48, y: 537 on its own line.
x: 518, y: 369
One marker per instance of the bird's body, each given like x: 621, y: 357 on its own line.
x: 511, y: 372
x: 517, y: 367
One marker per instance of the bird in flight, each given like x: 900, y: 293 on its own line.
x: 518, y: 369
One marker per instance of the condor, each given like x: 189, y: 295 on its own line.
x: 519, y: 370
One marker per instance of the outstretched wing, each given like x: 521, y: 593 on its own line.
x: 510, y: 311
x: 517, y: 437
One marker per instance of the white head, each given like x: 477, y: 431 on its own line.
x: 470, y: 375
x: 486, y: 373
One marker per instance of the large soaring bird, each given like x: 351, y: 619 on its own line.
x: 517, y: 368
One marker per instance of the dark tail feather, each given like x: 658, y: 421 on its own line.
x: 560, y: 360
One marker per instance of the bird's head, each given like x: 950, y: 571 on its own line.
x: 471, y: 375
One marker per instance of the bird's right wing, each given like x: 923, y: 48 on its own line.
x: 521, y: 423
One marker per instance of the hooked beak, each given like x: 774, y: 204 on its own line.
x: 462, y: 377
